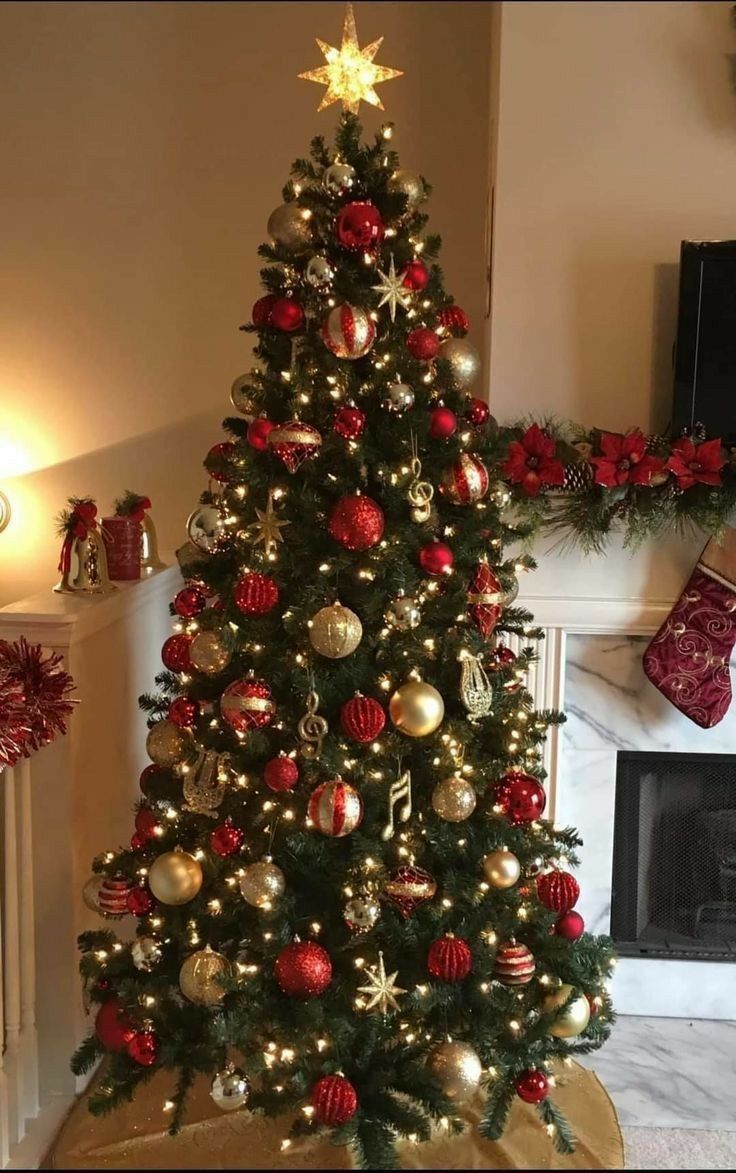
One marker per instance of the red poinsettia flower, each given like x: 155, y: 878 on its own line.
x: 531, y: 462
x: 696, y: 464
x: 624, y: 460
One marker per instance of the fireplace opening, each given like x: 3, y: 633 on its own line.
x: 674, y: 856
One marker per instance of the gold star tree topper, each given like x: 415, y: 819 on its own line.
x: 350, y: 73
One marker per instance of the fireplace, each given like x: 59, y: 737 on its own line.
x: 674, y: 856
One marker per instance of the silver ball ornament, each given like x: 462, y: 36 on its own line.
x: 409, y: 184
x: 262, y: 884
x: 338, y: 178
x: 319, y: 272
x: 146, y: 953
x: 361, y: 913
x: 399, y: 397
x: 454, y: 799
x: 241, y: 396
x: 206, y: 528
x: 463, y: 359
x: 288, y: 225
x: 403, y: 613
x: 230, y: 1088
x: 457, y: 1069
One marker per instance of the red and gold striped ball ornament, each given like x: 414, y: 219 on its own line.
x: 362, y: 718
x: 247, y: 704
x: 335, y: 808
x: 294, y: 442
x: 514, y: 965
x: 485, y: 599
x: 303, y: 969
x: 465, y: 481
x: 408, y: 887
x: 356, y: 522
x: 520, y: 796
x: 112, y: 896
x: 334, y: 1100
x: 449, y: 959
x: 281, y: 773
x: 557, y: 890
x: 255, y: 594
x: 348, y: 331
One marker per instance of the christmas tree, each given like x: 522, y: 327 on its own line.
x: 350, y: 906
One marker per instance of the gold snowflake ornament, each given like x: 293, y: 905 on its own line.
x: 380, y: 988
x: 350, y: 74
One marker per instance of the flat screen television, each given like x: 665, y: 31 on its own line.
x: 705, y: 352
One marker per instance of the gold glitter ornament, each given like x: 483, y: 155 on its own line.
x: 167, y: 744
x: 457, y: 1069
x: 262, y: 884
x: 454, y: 799
x: 209, y: 653
x: 335, y: 632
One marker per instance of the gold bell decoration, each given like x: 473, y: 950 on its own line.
x: 83, y: 559
x: 205, y: 783
x: 457, y: 1069
x: 417, y: 708
x: 175, y: 877
x: 476, y: 691
x: 167, y: 744
x: 335, y: 632
x: 199, y: 977
x: 572, y: 1021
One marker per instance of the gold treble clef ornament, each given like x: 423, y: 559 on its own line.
x: 312, y: 728
x: 420, y: 493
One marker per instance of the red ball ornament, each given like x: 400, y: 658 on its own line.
x: 501, y: 657
x: 532, y: 1086
x: 113, y: 1027
x: 303, y: 969
x: 485, y: 599
x: 258, y: 430
x: 558, y: 891
x: 247, y: 704
x: 255, y: 594
x: 294, y: 442
x: 423, y: 344
x: 147, y: 823
x: 520, y: 796
x: 349, y: 423
x: 335, y: 808
x: 442, y: 423
x: 112, y: 898
x: 415, y: 276
x: 175, y: 653
x: 571, y: 926
x: 137, y: 842
x: 449, y: 959
x: 477, y: 412
x: 261, y: 313
x: 465, y: 481
x: 356, y: 522
x: 359, y: 226
x: 190, y: 601
x: 143, y: 1048
x: 281, y: 773
x: 334, y: 1100
x: 184, y: 712
x: 348, y: 331
x: 454, y: 320
x: 140, y: 901
x: 216, y: 455
x: 287, y: 315
x: 514, y: 965
x: 362, y: 718
x: 436, y: 558
x: 226, y: 839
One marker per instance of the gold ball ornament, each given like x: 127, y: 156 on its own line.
x: 175, y: 877
x: 288, y: 225
x: 209, y: 653
x: 501, y: 869
x: 262, y: 884
x: 454, y: 799
x: 198, y: 977
x: 574, y: 1020
x: 416, y: 708
x: 167, y: 745
x: 463, y: 359
x: 407, y: 183
x: 457, y: 1069
x: 335, y: 632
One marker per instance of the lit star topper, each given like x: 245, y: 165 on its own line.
x: 350, y: 73
x: 381, y: 988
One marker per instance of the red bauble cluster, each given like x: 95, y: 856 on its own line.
x: 190, y: 601
x: 454, y: 320
x: 520, y: 796
x: 570, y: 925
x: 514, y: 965
x: 436, y: 558
x: 258, y: 430
x: 261, y: 313
x: 255, y: 594
x: 415, y: 276
x: 226, y: 839
x: 349, y: 423
x: 442, y: 423
x: 175, y: 653
x: 216, y: 455
x: 558, y: 891
x: 362, y: 718
x: 143, y: 1048
x: 532, y: 1086
x: 281, y: 773
x: 140, y: 901
x: 334, y: 1100
x: 359, y: 226
x: 356, y: 522
x: 184, y: 712
x: 423, y: 344
x: 303, y: 969
x: 484, y: 599
x: 247, y: 704
x: 477, y: 412
x: 286, y: 315
x: 113, y: 1027
x: 449, y: 959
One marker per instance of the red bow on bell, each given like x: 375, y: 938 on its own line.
x: 138, y: 513
x: 81, y: 521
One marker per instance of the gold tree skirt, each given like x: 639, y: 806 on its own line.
x: 135, y: 1137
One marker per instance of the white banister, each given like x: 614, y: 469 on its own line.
x: 4, y: 1113
x: 11, y: 960
x: 28, y: 1033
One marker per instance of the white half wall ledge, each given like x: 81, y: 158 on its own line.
x: 595, y: 615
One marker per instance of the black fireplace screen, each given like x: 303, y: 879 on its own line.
x: 674, y: 856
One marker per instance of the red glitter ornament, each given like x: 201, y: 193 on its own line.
x: 359, y: 226
x: 532, y: 1086
x: 247, y: 704
x: 334, y: 1100
x: 454, y: 320
x: 218, y: 454
x: 190, y: 601
x: 226, y: 839
x: 477, y: 412
x: 349, y: 423
x: 423, y: 344
x: 258, y: 432
x: 558, y: 891
x: 303, y: 969
x: 356, y: 522
x: 407, y: 887
x: 281, y: 773
x: 436, y: 558
x: 465, y: 481
x: 348, y: 331
x: 514, y: 965
x: 449, y: 959
x: 362, y: 718
x: 570, y: 925
x: 175, y: 653
x: 415, y: 276
x: 261, y: 312
x: 140, y: 901
x: 335, y: 808
x: 112, y: 898
x: 286, y: 315
x: 113, y: 1027
x: 442, y: 423
x: 147, y: 822
x: 143, y: 1048
x: 255, y: 594
x: 520, y: 796
x: 184, y: 712
x: 485, y: 599
x: 294, y: 442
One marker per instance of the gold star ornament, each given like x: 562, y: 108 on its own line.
x: 267, y: 529
x: 381, y: 988
x: 350, y: 73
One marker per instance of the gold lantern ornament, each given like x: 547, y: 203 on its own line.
x: 175, y: 877
x: 417, y: 708
x: 167, y: 744
x: 335, y: 631
x: 457, y: 1069
x: 199, y: 977
x: 574, y: 1019
x: 262, y: 884
x: 454, y: 799
x: 501, y: 869
x: 209, y: 653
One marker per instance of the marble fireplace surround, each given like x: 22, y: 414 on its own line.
x: 590, y: 667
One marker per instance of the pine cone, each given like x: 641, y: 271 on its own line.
x: 578, y: 477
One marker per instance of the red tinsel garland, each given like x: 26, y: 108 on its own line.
x: 34, y: 703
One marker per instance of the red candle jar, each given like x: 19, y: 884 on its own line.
x: 122, y: 538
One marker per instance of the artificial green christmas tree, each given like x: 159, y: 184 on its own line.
x: 349, y: 902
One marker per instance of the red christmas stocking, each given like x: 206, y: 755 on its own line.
x: 688, y: 658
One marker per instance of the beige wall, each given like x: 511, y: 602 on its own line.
x: 144, y: 146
